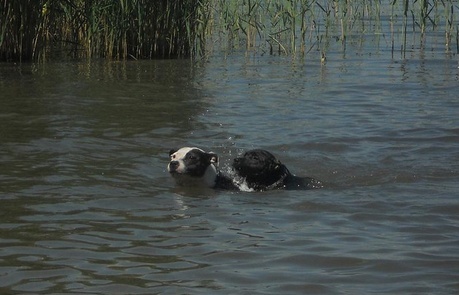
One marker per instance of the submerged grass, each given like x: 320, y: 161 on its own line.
x: 121, y: 29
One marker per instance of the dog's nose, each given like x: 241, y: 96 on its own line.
x: 173, y: 165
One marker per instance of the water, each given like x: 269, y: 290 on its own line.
x: 88, y: 207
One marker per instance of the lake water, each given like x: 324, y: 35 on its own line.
x: 87, y: 206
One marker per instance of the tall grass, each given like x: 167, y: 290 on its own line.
x: 33, y: 29
x: 121, y: 29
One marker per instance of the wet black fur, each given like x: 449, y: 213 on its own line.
x: 262, y: 171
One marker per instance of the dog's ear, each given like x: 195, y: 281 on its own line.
x: 172, y: 151
x: 213, y: 158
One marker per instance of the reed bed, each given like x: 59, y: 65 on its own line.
x: 296, y: 27
x: 34, y: 29
x: 123, y: 29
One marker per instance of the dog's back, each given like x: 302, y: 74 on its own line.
x: 261, y: 170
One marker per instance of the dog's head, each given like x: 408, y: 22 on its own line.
x: 260, y: 169
x: 193, y: 166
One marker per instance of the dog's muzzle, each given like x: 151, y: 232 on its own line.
x: 173, y: 165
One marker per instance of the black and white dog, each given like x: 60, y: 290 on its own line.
x: 259, y: 170
x: 192, y: 166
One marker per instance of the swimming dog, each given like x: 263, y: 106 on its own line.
x: 259, y: 170
x: 195, y: 167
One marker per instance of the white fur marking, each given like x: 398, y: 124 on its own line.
x: 181, y: 153
x: 179, y: 156
x: 210, y: 175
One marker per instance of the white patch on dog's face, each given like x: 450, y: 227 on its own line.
x: 191, y: 165
x: 179, y: 156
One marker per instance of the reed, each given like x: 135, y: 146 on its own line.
x: 122, y: 29
x: 294, y: 27
x: 33, y: 29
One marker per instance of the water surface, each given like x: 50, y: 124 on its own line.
x: 88, y: 207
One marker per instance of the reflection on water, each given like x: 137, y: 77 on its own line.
x: 88, y: 207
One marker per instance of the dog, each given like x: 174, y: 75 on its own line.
x: 192, y: 166
x: 259, y: 170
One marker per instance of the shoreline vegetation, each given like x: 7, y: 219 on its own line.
x: 39, y: 30
x: 120, y: 29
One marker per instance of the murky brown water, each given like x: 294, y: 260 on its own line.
x: 88, y: 207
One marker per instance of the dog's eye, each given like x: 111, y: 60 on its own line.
x: 191, y: 157
x: 173, y: 157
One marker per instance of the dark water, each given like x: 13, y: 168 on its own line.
x: 87, y: 206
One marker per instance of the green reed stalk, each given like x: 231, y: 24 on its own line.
x: 405, y: 24
x: 392, y: 32
x: 424, y: 14
x: 305, y: 8
x: 449, y: 16
x: 290, y: 14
